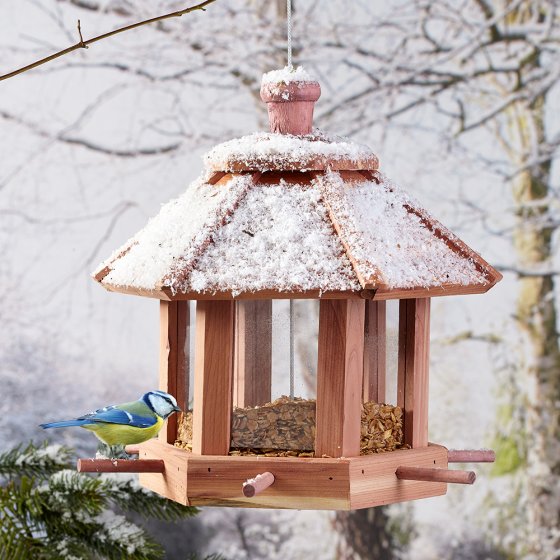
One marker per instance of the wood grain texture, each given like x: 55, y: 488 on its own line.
x: 356, y: 482
x: 431, y: 474
x: 413, y: 369
x: 171, y: 484
x: 471, y: 456
x: 252, y: 372
x: 382, y: 292
x: 339, y: 377
x: 298, y: 483
x: 378, y: 293
x: 290, y: 106
x: 316, y: 162
x: 375, y: 351
x: 213, y: 377
x: 374, y: 483
x: 291, y: 118
x: 174, y: 359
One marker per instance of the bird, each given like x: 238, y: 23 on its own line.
x: 128, y: 423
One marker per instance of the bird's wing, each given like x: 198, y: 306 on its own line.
x: 125, y: 414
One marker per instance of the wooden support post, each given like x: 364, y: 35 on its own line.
x: 254, y: 486
x: 174, y: 359
x: 375, y: 351
x: 471, y: 456
x: 339, y: 378
x: 435, y: 475
x: 252, y: 372
x: 121, y: 465
x: 213, y: 377
x: 413, y: 366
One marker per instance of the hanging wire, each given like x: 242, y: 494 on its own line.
x: 292, y: 338
x: 292, y: 360
x: 289, y: 24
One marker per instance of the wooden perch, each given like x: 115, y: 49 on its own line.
x: 471, y: 456
x: 121, y: 465
x: 435, y: 475
x: 254, y: 486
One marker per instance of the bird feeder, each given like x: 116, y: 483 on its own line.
x: 295, y: 214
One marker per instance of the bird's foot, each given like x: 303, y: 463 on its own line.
x: 105, y: 451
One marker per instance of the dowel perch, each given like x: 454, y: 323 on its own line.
x: 471, y: 456
x: 254, y: 486
x: 435, y: 475
x: 121, y: 465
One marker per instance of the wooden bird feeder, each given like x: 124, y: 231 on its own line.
x: 295, y: 214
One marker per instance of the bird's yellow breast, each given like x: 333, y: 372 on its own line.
x: 121, y: 434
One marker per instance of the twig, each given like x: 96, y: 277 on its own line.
x: 84, y: 44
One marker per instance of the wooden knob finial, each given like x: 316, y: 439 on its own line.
x: 290, y: 104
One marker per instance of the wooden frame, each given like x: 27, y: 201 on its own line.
x: 377, y: 293
x: 413, y: 369
x: 252, y: 372
x: 213, y: 377
x: 339, y: 377
x: 340, y: 484
x: 375, y: 351
x: 174, y: 358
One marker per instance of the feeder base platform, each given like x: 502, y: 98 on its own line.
x: 299, y: 483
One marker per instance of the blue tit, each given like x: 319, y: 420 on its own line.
x: 128, y: 423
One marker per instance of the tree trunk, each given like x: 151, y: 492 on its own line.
x: 364, y: 535
x: 537, y: 318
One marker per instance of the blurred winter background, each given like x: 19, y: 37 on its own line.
x: 460, y: 100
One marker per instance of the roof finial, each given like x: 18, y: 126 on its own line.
x: 290, y: 95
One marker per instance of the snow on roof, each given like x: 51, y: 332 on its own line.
x: 286, y: 75
x: 279, y: 238
x: 388, y: 243
x: 265, y: 151
x: 325, y: 234
x: 171, y: 241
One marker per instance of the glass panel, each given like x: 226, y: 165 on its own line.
x: 305, y: 337
x: 191, y: 342
x: 285, y: 426
x: 392, y: 351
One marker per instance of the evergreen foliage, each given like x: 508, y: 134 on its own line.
x: 48, y: 511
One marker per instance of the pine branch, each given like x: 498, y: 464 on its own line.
x: 34, y: 461
x: 19, y: 530
x: 81, y: 44
x: 57, y: 513
x: 128, y: 495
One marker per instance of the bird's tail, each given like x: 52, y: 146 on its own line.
x: 64, y: 424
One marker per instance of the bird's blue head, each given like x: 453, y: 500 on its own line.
x: 162, y: 403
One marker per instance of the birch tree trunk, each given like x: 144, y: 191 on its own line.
x: 537, y: 318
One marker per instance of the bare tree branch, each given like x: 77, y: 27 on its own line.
x: 81, y: 44
x: 73, y: 140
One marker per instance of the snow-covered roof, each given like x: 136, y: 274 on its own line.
x: 266, y: 151
x: 294, y: 214
x: 310, y: 234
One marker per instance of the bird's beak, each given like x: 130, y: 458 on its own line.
x: 177, y: 409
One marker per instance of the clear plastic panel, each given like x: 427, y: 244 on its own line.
x: 286, y: 425
x: 392, y: 351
